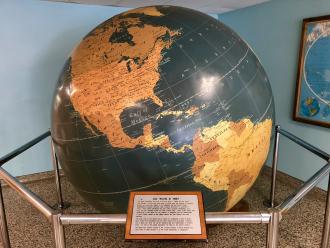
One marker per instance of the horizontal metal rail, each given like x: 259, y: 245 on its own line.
x: 305, y: 144
x: 23, y: 148
x: 27, y: 194
x: 76, y: 219
x: 304, y: 189
x: 16, y: 185
x: 210, y: 218
x: 271, y: 217
x: 238, y: 217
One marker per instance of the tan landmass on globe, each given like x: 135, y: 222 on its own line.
x: 204, y: 152
x: 189, y: 112
x: 192, y: 110
x: 234, y: 163
x: 96, y: 51
x: 151, y: 11
x: 103, y: 86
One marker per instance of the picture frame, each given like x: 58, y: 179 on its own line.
x: 312, y: 95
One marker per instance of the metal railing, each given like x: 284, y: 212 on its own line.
x: 272, y: 217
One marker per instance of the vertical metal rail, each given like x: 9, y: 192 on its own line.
x: 274, y: 166
x: 326, y: 224
x: 273, y: 229
x: 3, y: 223
x: 58, y: 231
x: 60, y: 203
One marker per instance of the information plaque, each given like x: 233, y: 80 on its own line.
x: 165, y: 215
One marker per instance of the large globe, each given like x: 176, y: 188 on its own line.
x: 162, y: 98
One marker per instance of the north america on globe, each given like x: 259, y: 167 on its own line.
x: 162, y: 98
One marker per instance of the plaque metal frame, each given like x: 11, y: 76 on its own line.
x: 201, y: 236
x: 271, y: 217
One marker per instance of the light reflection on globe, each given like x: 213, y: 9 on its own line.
x: 162, y: 99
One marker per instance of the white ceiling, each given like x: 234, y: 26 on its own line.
x: 207, y: 6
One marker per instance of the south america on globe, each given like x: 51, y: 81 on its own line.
x: 162, y: 98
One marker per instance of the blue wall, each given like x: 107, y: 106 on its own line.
x: 273, y: 30
x: 35, y: 40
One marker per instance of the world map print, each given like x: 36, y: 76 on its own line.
x: 313, y: 104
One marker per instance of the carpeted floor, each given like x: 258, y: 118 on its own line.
x: 301, y: 227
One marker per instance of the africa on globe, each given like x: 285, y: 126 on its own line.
x: 162, y: 98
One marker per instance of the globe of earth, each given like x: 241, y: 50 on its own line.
x: 162, y: 98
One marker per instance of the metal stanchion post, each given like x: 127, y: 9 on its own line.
x: 274, y: 169
x: 273, y: 229
x: 271, y: 202
x: 60, y: 203
x: 3, y: 223
x: 58, y: 231
x: 326, y: 225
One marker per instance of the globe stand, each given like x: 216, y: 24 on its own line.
x: 267, y: 203
x: 271, y: 217
x: 60, y: 205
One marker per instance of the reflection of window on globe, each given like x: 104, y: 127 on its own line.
x: 162, y: 98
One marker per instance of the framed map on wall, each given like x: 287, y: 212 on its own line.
x: 312, y: 101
